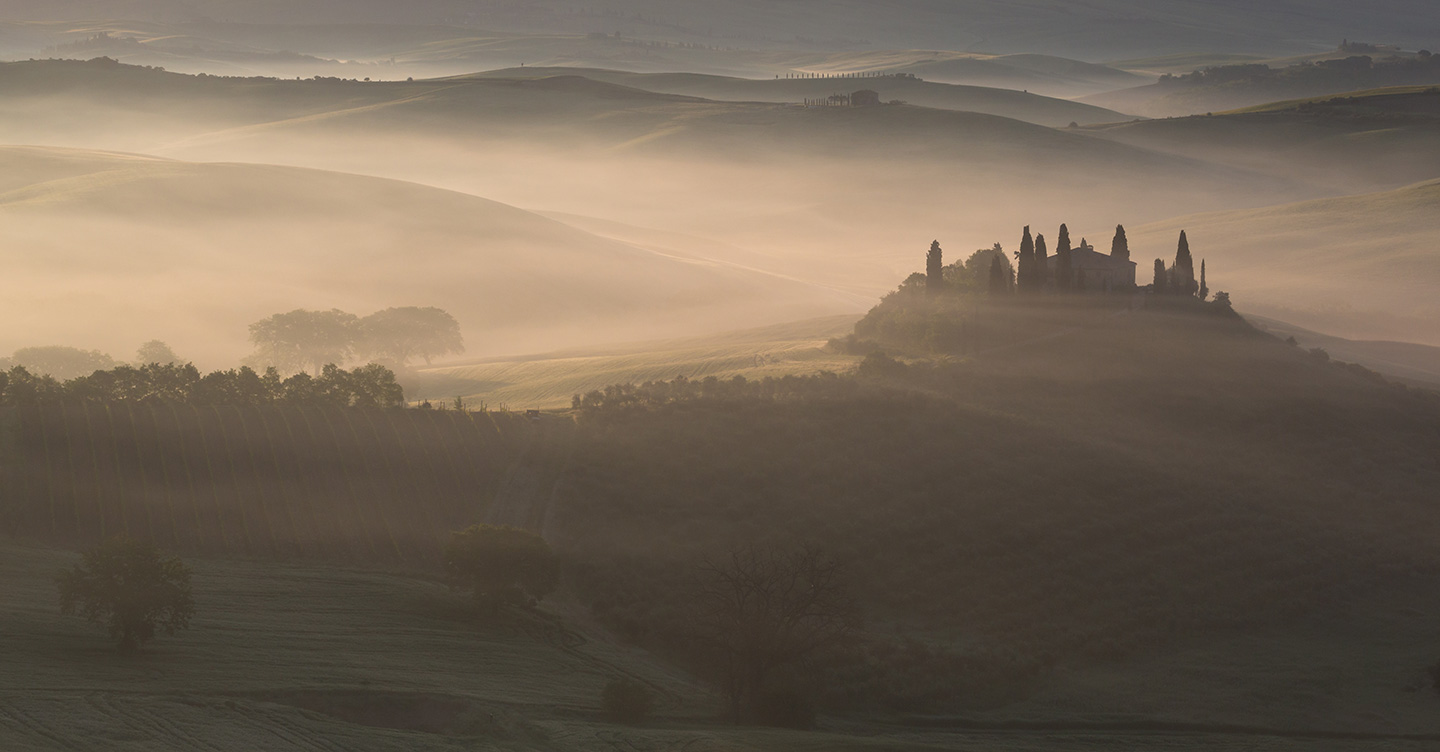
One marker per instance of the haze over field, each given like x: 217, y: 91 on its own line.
x: 702, y: 375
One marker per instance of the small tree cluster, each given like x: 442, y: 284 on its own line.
x: 1179, y: 278
x: 308, y: 340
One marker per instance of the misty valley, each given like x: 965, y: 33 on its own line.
x: 638, y: 375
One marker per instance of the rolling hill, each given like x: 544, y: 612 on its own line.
x: 1383, y: 138
x: 832, y: 195
x: 107, y: 250
x: 1030, y: 108
x: 1101, y: 30
x: 1251, y: 84
x: 1361, y: 267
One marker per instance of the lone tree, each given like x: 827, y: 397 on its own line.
x: 1204, y: 291
x: 762, y: 610
x: 501, y: 565
x: 1042, y: 263
x: 131, y: 589
x: 1064, y: 274
x: 1025, y: 263
x: 398, y: 335
x: 155, y: 352
x: 1184, y: 269
x: 999, y: 283
x: 934, y: 269
x: 301, y: 340
x: 1120, y: 246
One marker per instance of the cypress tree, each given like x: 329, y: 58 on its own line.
x: 999, y: 285
x: 1064, y: 272
x: 1120, y: 246
x: 1184, y: 268
x: 1204, y: 288
x: 934, y: 269
x: 1042, y: 263
x: 1025, y: 263
x: 1158, y: 286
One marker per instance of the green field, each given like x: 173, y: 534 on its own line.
x: 550, y: 380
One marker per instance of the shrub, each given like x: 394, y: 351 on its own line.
x: 627, y: 700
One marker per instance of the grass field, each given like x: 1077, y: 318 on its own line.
x: 550, y: 380
x: 282, y: 657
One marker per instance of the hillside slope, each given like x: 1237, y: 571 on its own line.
x: 1359, y: 266
x: 1382, y: 138
x: 105, y: 251
x: 1030, y: 108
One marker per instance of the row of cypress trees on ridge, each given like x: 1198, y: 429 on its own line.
x: 1033, y: 274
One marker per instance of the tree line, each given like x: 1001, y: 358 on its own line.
x: 370, y: 385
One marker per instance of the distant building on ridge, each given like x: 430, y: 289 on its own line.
x: 1101, y: 272
x: 865, y: 98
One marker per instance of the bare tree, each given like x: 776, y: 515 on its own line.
x: 762, y: 610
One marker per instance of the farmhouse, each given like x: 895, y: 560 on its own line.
x: 1097, y: 272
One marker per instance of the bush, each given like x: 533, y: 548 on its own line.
x: 627, y: 700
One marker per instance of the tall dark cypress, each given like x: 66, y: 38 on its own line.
x: 1120, y: 246
x: 1184, y: 268
x: 1064, y: 270
x: 1042, y: 263
x: 999, y: 284
x: 1158, y: 286
x: 1204, y: 288
x: 1025, y: 263
x: 934, y: 269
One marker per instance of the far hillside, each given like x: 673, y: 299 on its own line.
x: 1228, y: 87
x: 796, y: 88
x: 225, y: 245
x: 1359, y: 267
x: 1381, y: 138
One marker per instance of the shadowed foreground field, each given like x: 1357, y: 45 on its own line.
x: 283, y: 657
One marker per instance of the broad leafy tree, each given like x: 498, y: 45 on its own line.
x: 304, y: 340
x: 396, y: 336
x: 131, y: 589
x: 61, y: 362
x: 501, y: 565
x: 763, y: 610
x: 157, y: 353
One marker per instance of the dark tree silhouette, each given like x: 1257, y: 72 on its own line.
x: 934, y: 269
x: 763, y: 610
x: 1042, y: 263
x: 1120, y: 246
x: 1025, y: 263
x: 301, y: 339
x: 1159, y: 286
x: 395, y: 336
x: 1204, y: 288
x: 501, y: 565
x: 999, y: 283
x: 1184, y: 269
x: 1064, y: 272
x: 131, y: 589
